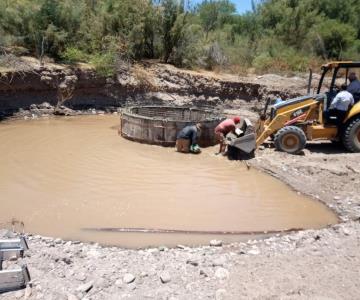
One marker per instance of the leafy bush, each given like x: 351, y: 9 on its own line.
x: 189, y: 47
x: 74, y: 55
x: 352, y: 53
x: 331, y: 38
x: 285, y: 59
x: 214, y: 56
x: 104, y: 63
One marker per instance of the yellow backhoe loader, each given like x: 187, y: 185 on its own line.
x: 291, y: 123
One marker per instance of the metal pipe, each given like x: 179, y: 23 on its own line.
x: 310, y: 81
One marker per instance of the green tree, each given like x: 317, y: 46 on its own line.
x: 173, y: 19
x: 215, y: 13
x: 332, y: 38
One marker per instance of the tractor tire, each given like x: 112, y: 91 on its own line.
x: 351, y: 136
x: 290, y: 139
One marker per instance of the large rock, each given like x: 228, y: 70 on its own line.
x: 64, y: 111
x: 220, y: 294
x: 219, y: 262
x: 222, y: 273
x: 86, y: 287
x: 192, y: 262
x: 28, y: 292
x: 80, y: 276
x: 165, y: 277
x: 128, y: 278
x: 216, y: 243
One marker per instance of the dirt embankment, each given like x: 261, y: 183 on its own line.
x: 147, y: 83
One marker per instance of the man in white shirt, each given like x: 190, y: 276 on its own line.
x: 340, y: 106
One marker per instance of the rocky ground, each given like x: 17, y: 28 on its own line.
x: 312, y: 264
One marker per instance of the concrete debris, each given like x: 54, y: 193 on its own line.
x: 216, y: 243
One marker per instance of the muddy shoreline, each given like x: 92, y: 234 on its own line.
x: 315, y: 264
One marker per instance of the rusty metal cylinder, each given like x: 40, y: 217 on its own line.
x: 159, y: 125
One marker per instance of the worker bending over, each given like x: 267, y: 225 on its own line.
x: 229, y: 125
x: 340, y: 105
x: 187, y: 139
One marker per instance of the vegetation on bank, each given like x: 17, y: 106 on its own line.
x: 277, y: 35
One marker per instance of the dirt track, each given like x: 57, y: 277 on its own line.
x: 322, y: 264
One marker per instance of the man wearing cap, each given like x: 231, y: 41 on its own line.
x: 186, y: 140
x: 229, y: 125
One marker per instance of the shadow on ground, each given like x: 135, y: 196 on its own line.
x: 326, y: 148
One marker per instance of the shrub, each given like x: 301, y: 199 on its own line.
x: 74, y: 55
x: 353, y: 53
x: 331, y: 38
x: 188, y: 48
x: 104, y: 63
x: 284, y: 60
x: 214, y: 56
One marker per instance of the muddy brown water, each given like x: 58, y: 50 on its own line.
x: 61, y: 175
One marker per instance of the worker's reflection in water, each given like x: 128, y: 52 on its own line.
x: 187, y: 139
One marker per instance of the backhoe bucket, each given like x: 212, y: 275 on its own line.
x: 246, y: 143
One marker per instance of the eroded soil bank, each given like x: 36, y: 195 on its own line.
x: 147, y: 83
x: 312, y: 264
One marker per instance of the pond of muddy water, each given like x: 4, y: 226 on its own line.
x: 62, y: 175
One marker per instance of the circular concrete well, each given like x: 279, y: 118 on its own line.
x: 159, y: 125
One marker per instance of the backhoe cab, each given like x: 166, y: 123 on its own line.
x: 293, y: 122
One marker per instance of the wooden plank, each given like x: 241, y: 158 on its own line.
x: 6, y: 254
x: 15, y: 279
x: 10, y: 244
x: 14, y: 243
x: 11, y: 279
x: 19, y: 244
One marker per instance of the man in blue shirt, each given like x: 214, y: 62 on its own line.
x: 187, y: 139
x: 354, y: 86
